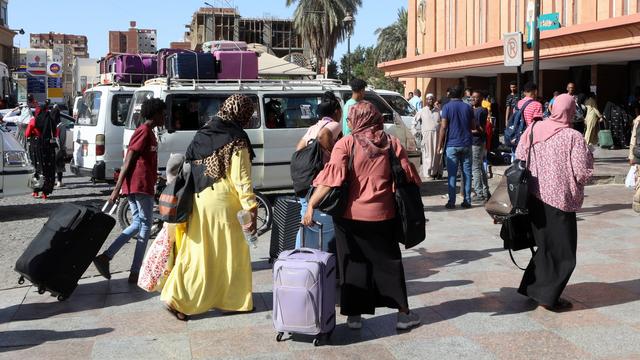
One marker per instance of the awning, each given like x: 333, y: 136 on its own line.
x: 615, y: 40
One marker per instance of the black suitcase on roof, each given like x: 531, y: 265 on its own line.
x: 64, y: 248
x: 286, y: 223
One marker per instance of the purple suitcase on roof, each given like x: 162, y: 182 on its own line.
x: 237, y: 65
x: 127, y: 68
x: 162, y: 59
x: 304, y: 292
x: 149, y: 66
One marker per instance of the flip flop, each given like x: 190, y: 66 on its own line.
x: 180, y: 316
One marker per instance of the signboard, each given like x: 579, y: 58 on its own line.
x: 549, y: 21
x: 531, y: 14
x: 58, y: 53
x: 54, y: 69
x: 37, y: 62
x: 512, y: 49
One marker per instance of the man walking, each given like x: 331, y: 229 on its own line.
x: 511, y: 102
x: 480, y: 182
x: 416, y: 100
x: 429, y: 120
x: 358, y: 87
x: 533, y: 111
x: 578, y: 118
x: 455, y: 140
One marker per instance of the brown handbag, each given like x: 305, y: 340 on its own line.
x: 499, y: 204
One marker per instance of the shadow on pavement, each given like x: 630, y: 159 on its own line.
x: 598, y: 210
x: 78, y: 196
x: 425, y: 265
x: 23, y: 339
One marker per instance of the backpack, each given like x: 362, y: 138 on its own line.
x: 306, y: 163
x: 516, y: 126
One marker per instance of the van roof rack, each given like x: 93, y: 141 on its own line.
x: 241, y: 84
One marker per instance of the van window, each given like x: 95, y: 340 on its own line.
x: 190, y: 112
x: 88, y: 113
x: 291, y: 111
x: 400, y: 105
x: 120, y: 108
x: 133, y: 116
x: 378, y: 102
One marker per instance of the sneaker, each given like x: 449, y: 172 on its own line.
x: 450, y: 205
x: 35, y: 194
x: 466, y: 205
x: 478, y: 199
x: 354, y: 322
x: 101, y: 262
x: 133, y: 278
x: 407, y: 321
x: 59, y: 184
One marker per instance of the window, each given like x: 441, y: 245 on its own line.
x: 120, y: 108
x: 89, y: 108
x: 400, y: 105
x: 291, y: 111
x: 190, y: 112
x: 133, y: 114
x: 378, y: 102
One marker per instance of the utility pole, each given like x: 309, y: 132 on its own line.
x: 536, y: 44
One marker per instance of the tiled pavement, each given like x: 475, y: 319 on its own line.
x: 461, y: 283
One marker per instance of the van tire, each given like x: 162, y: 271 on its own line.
x: 123, y: 216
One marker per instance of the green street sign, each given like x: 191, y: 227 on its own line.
x: 549, y: 21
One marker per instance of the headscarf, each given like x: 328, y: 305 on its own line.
x: 367, y: 128
x: 215, y: 143
x: 430, y: 95
x: 564, y: 108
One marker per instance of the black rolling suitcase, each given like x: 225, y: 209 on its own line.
x: 64, y: 248
x: 286, y: 223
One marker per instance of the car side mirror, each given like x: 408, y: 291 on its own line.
x: 388, y: 118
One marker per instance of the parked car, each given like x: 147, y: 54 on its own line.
x: 190, y: 104
x: 16, y: 172
x: 97, y: 133
x: 399, y: 105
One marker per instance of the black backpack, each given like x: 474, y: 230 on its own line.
x: 306, y: 163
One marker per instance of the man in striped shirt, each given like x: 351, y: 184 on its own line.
x: 533, y: 111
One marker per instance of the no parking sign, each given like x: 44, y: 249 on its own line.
x: 512, y: 49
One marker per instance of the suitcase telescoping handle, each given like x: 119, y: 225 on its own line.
x: 113, y: 207
x: 315, y: 223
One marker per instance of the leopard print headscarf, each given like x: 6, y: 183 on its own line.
x: 237, y: 108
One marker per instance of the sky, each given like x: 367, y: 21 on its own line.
x: 95, y: 18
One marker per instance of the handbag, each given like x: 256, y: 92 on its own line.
x: 518, y: 175
x: 409, y: 206
x: 335, y: 202
x: 499, y: 205
x: 176, y: 200
x: 158, y: 261
x: 306, y: 163
x: 517, y: 234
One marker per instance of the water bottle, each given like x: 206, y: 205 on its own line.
x: 244, y: 217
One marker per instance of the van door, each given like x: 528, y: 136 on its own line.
x: 115, y: 118
x: 287, y: 117
x: 189, y: 112
x: 85, y: 130
x: 2, y: 134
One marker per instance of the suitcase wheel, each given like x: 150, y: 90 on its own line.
x: 316, y: 341
x: 279, y: 336
x: 21, y: 280
x: 41, y: 290
x: 62, y: 298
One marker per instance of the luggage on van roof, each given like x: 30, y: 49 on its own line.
x: 224, y: 45
x: 123, y: 68
x: 191, y: 65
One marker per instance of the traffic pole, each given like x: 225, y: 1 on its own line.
x: 536, y: 44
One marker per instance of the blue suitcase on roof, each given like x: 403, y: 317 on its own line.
x: 191, y: 65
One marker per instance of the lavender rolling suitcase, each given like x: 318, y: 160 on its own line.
x: 237, y: 64
x: 304, y: 292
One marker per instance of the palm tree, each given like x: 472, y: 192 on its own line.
x: 392, y: 40
x: 320, y: 23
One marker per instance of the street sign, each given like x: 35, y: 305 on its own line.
x: 512, y: 49
x: 37, y: 62
x: 549, y: 21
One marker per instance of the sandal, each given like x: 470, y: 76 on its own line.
x: 180, y: 316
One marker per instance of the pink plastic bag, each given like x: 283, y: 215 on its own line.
x: 158, y: 261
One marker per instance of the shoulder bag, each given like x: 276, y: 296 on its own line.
x: 409, y: 206
x: 335, y: 202
x: 176, y: 200
x: 518, y: 175
x: 306, y: 163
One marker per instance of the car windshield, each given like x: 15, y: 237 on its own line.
x: 400, y: 104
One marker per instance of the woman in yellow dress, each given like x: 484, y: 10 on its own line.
x: 213, y: 266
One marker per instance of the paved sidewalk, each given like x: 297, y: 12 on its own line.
x: 460, y: 282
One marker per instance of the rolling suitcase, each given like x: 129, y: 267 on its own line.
x: 224, y: 45
x: 162, y: 59
x: 237, y: 65
x: 64, y: 248
x: 304, y: 292
x: 286, y: 221
x: 605, y: 139
x: 191, y: 65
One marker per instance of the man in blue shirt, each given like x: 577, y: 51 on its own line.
x: 416, y: 100
x: 455, y: 141
x: 358, y: 88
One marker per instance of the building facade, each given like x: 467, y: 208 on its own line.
x: 86, y: 74
x: 65, y: 49
x: 133, y: 41
x: 451, y: 42
x: 278, y: 35
x: 7, y: 51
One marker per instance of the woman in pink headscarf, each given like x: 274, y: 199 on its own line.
x: 561, y: 165
x: 369, y: 259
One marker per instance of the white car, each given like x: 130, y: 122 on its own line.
x: 400, y: 105
x: 16, y: 172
